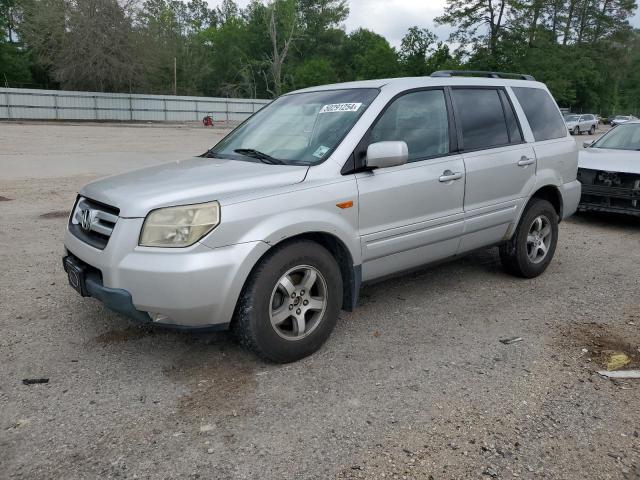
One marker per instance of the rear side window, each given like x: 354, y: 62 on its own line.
x: 542, y: 113
x: 420, y: 119
x: 481, y: 118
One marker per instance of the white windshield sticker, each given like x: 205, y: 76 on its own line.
x: 341, y: 107
x: 321, y: 151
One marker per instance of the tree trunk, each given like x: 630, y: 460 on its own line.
x: 567, y: 27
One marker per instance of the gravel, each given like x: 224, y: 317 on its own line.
x: 414, y: 384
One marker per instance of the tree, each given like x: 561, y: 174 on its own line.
x: 283, y: 22
x: 478, y: 20
x: 367, y: 55
x: 416, y: 44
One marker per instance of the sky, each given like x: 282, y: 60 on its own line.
x: 392, y: 18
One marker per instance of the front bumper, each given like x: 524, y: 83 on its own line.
x: 611, y: 192
x: 194, y: 287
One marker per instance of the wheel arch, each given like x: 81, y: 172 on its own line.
x: 550, y: 193
x: 351, y: 274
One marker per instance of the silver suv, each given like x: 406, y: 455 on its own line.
x: 273, y: 231
x: 578, y: 124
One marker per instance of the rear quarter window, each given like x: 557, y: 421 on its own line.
x: 541, y: 112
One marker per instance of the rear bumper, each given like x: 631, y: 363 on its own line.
x: 570, y: 197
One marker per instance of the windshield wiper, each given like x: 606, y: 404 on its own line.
x: 210, y: 154
x: 263, y: 157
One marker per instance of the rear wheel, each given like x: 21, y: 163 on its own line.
x: 576, y: 131
x: 291, y: 303
x: 592, y: 130
x: 533, y: 245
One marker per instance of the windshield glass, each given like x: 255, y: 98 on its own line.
x: 301, y: 128
x: 571, y: 118
x: 622, y: 137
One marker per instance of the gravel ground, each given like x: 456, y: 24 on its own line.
x: 414, y: 384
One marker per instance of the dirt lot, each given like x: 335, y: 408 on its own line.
x: 414, y: 384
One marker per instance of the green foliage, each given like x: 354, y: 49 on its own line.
x: 415, y: 49
x: 584, y: 50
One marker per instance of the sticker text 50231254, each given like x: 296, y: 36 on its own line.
x: 340, y: 107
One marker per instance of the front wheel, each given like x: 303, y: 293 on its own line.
x: 533, y: 245
x: 592, y: 130
x: 576, y: 131
x: 291, y: 303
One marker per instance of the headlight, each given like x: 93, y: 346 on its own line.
x: 179, y: 226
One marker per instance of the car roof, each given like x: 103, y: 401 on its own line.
x: 406, y: 83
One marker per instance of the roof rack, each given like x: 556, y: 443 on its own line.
x: 480, y: 73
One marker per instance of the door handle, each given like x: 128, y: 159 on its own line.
x: 448, y: 176
x: 524, y: 161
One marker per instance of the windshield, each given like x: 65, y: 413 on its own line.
x: 622, y: 137
x: 301, y: 128
x: 571, y: 118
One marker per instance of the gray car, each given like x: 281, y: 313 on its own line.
x: 578, y: 124
x: 609, y: 170
x: 274, y: 230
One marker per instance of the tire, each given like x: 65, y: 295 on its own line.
x: 523, y: 254
x: 592, y: 130
x: 279, y: 319
x: 576, y: 131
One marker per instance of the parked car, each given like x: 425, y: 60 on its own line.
x: 273, y: 230
x: 609, y: 170
x: 620, y: 119
x: 578, y: 124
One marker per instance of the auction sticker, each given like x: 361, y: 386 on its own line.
x: 340, y: 107
x: 321, y: 151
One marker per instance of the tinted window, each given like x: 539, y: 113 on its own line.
x: 481, y: 118
x: 420, y: 119
x: 542, y: 113
x: 513, y: 128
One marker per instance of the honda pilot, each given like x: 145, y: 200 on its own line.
x: 274, y: 230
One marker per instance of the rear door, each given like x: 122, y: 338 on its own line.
x: 500, y: 166
x: 412, y: 214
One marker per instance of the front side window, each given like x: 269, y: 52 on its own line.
x: 622, y: 137
x: 301, y: 128
x: 542, y: 113
x: 420, y: 119
x: 481, y: 118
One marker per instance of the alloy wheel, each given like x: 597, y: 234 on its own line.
x: 298, y: 302
x: 539, y: 239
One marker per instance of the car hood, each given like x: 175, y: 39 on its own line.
x: 610, y: 160
x: 184, y: 182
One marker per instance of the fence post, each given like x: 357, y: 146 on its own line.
x: 130, y: 109
x: 95, y: 107
x: 165, y: 109
x: 55, y: 106
x: 8, y: 105
x: 226, y: 111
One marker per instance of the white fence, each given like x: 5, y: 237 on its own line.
x: 23, y: 104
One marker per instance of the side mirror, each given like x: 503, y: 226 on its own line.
x: 587, y: 144
x: 387, y: 154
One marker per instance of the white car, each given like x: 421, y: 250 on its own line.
x: 578, y: 124
x: 620, y: 119
x: 609, y: 170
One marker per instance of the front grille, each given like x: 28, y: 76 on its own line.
x: 615, y: 190
x: 93, y: 222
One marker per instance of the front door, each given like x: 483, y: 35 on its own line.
x: 412, y: 214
